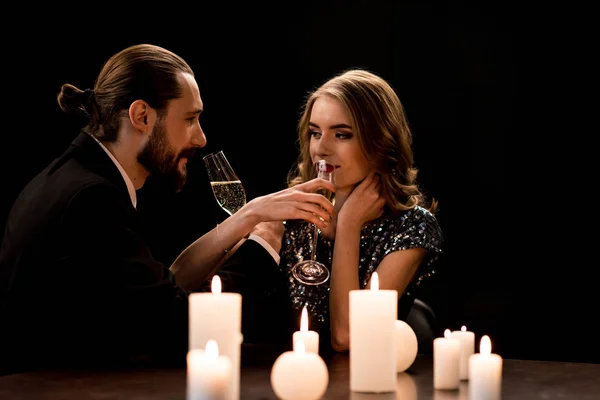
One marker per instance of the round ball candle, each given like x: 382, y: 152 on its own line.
x: 485, y: 372
x: 310, y: 338
x: 467, y: 348
x: 407, y: 346
x: 299, y: 375
x: 218, y: 316
x: 446, y: 362
x: 373, y: 316
x: 208, y: 373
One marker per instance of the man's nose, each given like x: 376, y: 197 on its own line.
x: 199, y: 139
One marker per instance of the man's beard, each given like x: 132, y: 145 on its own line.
x: 159, y: 158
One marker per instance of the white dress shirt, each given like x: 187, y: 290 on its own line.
x: 132, y: 194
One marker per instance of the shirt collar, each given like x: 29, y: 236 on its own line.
x: 130, y: 187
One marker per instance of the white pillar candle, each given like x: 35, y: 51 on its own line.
x: 208, y: 373
x: 467, y: 348
x: 407, y: 346
x: 218, y: 316
x: 299, y: 375
x: 446, y: 362
x: 373, y: 315
x: 485, y: 372
x: 309, y: 338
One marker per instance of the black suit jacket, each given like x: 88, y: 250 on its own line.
x: 78, y: 285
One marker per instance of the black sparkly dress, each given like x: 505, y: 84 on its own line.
x: 390, y: 232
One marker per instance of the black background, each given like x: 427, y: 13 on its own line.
x: 452, y: 66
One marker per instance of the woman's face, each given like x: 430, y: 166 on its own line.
x: 332, y: 139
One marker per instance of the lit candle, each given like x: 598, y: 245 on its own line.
x: 467, y: 347
x: 407, y: 346
x: 373, y: 315
x: 208, y: 373
x: 299, y: 375
x: 446, y: 362
x: 309, y: 338
x: 218, y: 316
x: 485, y: 372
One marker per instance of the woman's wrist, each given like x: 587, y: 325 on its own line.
x: 348, y: 224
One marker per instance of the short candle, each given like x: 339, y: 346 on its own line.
x: 309, y: 338
x: 208, y: 373
x: 446, y: 362
x: 467, y: 348
x: 485, y: 372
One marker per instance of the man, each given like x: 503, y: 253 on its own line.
x: 78, y: 285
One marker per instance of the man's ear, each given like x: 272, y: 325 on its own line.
x: 142, y: 116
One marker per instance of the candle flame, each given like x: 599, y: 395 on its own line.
x: 216, y: 284
x: 304, y: 320
x: 300, y: 348
x: 463, y: 328
x: 212, y: 350
x: 485, y: 346
x: 447, y: 334
x: 374, y: 281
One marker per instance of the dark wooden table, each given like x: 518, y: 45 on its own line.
x: 520, y: 380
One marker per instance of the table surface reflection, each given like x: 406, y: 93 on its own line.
x: 521, y: 379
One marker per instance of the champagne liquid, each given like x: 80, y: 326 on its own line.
x: 230, y: 195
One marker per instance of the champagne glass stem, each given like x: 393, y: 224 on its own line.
x: 313, y: 256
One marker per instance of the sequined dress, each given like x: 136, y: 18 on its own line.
x: 390, y: 232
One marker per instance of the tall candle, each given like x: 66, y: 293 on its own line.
x: 373, y: 315
x: 208, y: 373
x: 299, y: 375
x: 218, y: 316
x: 309, y: 338
x: 485, y: 372
x: 467, y: 348
x: 446, y: 362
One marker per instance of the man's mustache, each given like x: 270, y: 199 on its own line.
x: 187, y: 153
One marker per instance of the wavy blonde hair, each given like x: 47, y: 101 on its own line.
x: 379, y: 122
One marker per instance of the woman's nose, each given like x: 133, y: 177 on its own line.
x: 323, y: 146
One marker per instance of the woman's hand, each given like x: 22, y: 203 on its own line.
x: 364, y: 204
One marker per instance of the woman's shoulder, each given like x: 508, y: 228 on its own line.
x: 417, y: 225
x: 418, y: 215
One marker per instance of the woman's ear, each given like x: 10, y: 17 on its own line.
x: 142, y: 116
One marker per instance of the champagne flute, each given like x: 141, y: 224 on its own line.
x: 225, y: 184
x: 313, y: 272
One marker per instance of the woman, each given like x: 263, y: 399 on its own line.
x: 381, y: 222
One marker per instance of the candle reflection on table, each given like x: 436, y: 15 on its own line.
x: 460, y: 394
x: 406, y: 389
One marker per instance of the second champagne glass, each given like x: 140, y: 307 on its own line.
x: 225, y: 184
x: 313, y: 272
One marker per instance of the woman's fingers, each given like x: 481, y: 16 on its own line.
x: 317, y: 199
x: 315, y: 211
x: 314, y: 184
